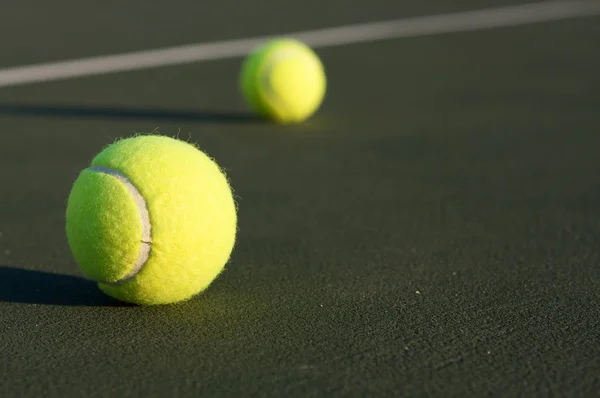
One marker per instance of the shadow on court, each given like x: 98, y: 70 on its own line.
x: 108, y: 112
x: 19, y: 285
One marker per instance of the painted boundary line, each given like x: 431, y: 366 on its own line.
x: 545, y: 11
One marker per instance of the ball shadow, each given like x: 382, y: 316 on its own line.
x: 23, y: 286
x: 113, y: 112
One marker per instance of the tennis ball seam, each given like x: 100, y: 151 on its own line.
x: 265, y: 75
x: 141, y: 204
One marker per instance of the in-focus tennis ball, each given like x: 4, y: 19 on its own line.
x: 152, y: 220
x: 284, y: 80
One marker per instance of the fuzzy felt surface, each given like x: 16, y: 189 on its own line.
x: 192, y: 214
x: 104, y: 229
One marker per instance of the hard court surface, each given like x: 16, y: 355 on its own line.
x: 433, y: 231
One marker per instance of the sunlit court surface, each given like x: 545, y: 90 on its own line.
x: 432, y: 230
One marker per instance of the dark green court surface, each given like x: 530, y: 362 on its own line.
x: 433, y: 231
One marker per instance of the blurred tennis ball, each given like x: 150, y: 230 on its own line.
x: 283, y: 80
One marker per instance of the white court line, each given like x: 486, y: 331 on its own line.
x: 410, y: 27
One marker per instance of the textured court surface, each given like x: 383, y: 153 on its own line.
x: 433, y: 231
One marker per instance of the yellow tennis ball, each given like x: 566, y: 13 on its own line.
x: 152, y: 220
x: 284, y: 80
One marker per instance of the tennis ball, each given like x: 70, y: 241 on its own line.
x: 152, y: 220
x: 283, y: 80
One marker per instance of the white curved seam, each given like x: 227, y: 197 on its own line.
x: 144, y: 214
x: 265, y: 79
